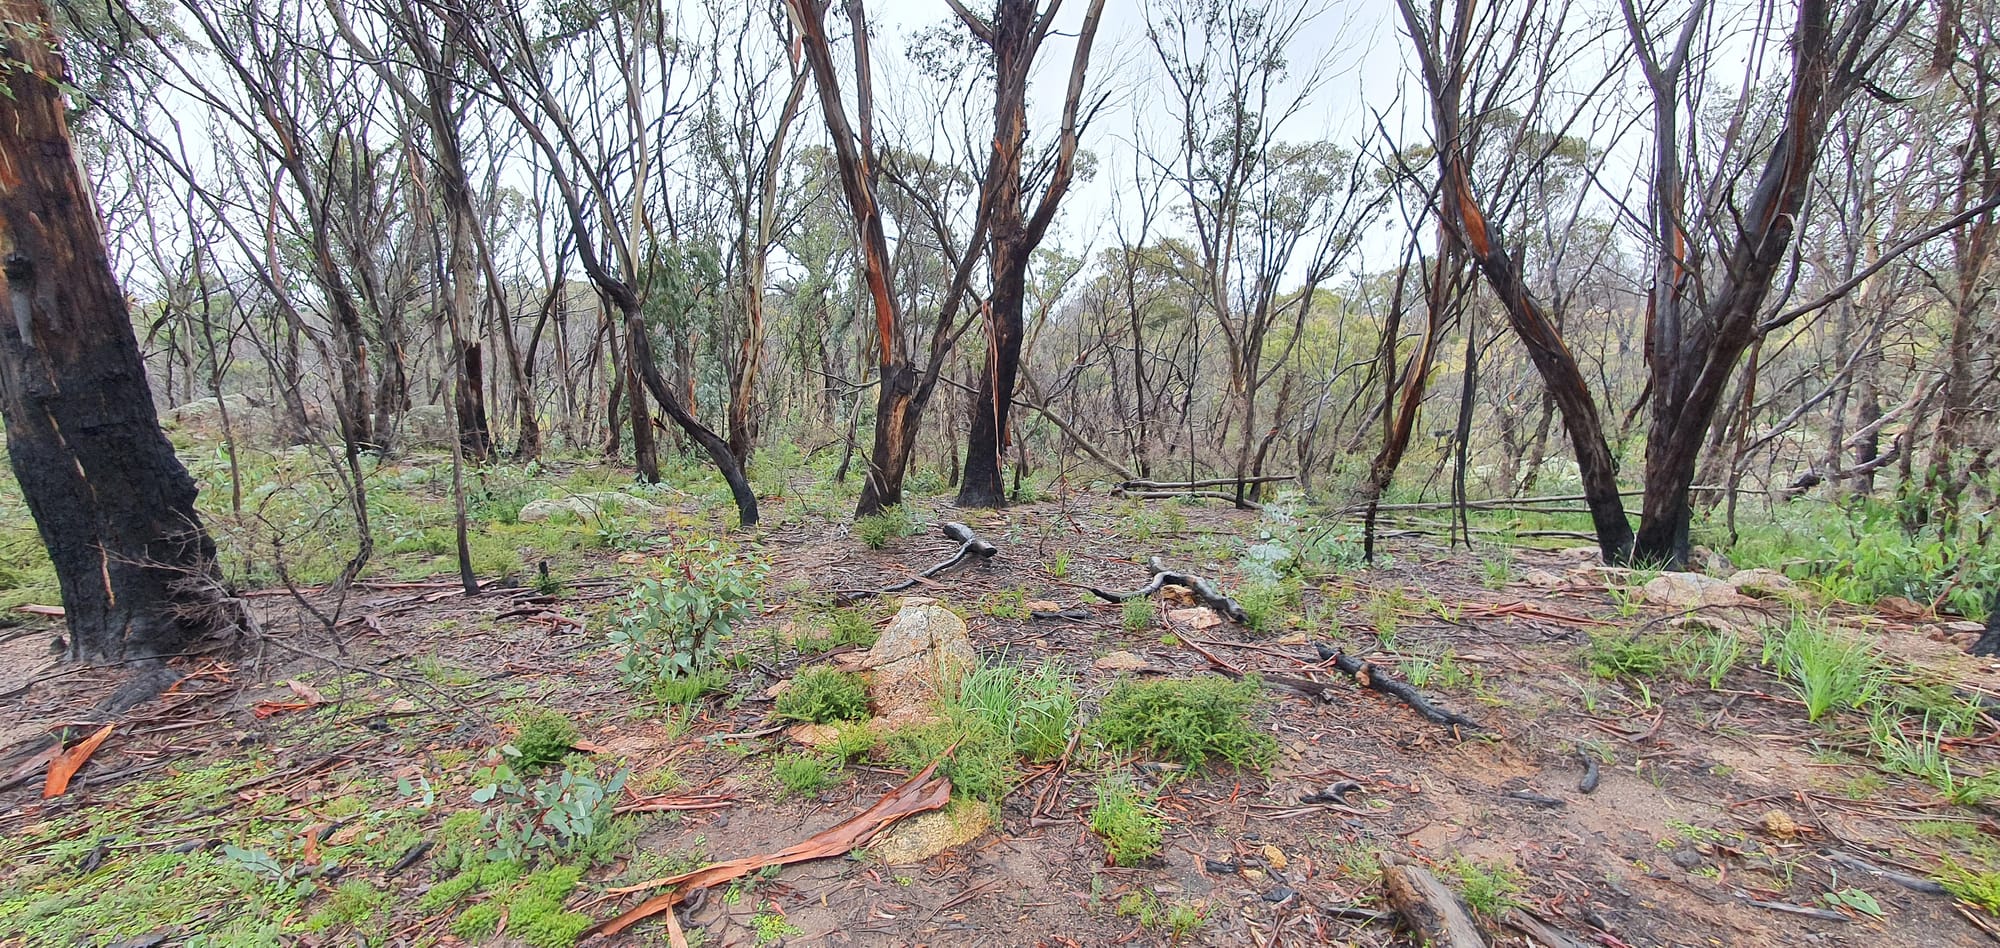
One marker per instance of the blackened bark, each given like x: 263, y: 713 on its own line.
x: 113, y: 504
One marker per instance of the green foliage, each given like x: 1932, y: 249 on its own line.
x: 1625, y: 655
x: 1385, y: 611
x: 1191, y: 721
x: 840, y: 627
x: 1138, y: 614
x: 672, y: 624
x: 1265, y: 601
x: 772, y: 927
x: 823, y: 695
x: 1828, y: 669
x: 1707, y: 656
x: 1868, y: 554
x: 1487, y: 888
x: 675, y: 692
x: 545, y: 738
x: 1977, y: 887
x: 1295, y: 547
x: 1496, y: 568
x: 980, y: 763
x: 1443, y: 671
x: 1009, y: 604
x: 1127, y: 823
x: 876, y: 530
x: 560, y: 813
x: 804, y: 774
x: 1036, y: 712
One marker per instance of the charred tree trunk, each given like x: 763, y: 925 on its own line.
x: 113, y: 504
x: 1015, y: 36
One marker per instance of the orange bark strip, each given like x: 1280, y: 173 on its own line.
x: 917, y: 795
x: 65, y: 766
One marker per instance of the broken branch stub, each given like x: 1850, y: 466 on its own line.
x: 1428, y: 909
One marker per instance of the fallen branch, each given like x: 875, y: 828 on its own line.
x: 1537, y: 931
x: 1171, y: 494
x: 917, y: 795
x: 969, y: 547
x: 1207, y: 483
x: 1907, y: 881
x: 1373, y: 679
x: 1162, y: 576
x: 1429, y: 909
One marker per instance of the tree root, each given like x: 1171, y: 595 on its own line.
x: 1162, y: 576
x: 1374, y: 679
x: 971, y: 548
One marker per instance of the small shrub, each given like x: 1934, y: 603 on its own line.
x: 1264, y: 602
x: 560, y: 813
x: 1127, y: 823
x: 876, y: 530
x: 980, y: 762
x: 823, y: 695
x: 1191, y: 721
x: 1138, y: 614
x: 1385, y: 614
x: 1707, y: 656
x: 804, y: 774
x: 1973, y: 886
x: 1497, y: 568
x: 841, y: 627
x: 545, y: 738
x: 672, y: 624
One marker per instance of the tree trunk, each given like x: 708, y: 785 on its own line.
x: 982, y: 485
x: 639, y: 356
x: 113, y: 504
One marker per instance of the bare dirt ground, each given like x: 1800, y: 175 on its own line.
x: 1677, y: 845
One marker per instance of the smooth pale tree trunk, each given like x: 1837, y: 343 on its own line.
x: 113, y: 504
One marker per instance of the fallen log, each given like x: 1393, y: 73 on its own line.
x: 1171, y: 494
x: 1428, y: 909
x: 1374, y: 679
x: 970, y: 548
x: 1162, y: 576
x: 1209, y: 483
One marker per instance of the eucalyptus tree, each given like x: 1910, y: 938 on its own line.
x: 903, y: 388
x: 114, y: 506
x: 1013, y: 34
x: 1259, y: 206
x: 596, y: 95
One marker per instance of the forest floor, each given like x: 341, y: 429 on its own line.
x: 325, y: 788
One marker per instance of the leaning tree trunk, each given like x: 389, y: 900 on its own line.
x: 113, y: 504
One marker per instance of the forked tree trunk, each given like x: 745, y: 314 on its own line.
x: 113, y: 504
x: 1015, y: 36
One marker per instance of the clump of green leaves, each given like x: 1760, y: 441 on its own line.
x: 1191, y: 721
x: 1980, y: 887
x: 1138, y: 614
x: 1707, y: 656
x: 560, y: 813
x: 876, y: 530
x: 1127, y: 823
x: 688, y: 689
x: 804, y: 774
x: 1036, y: 711
x: 971, y: 750
x: 1265, y: 602
x: 1625, y: 655
x: 545, y: 738
x: 823, y: 695
x: 1487, y: 888
x: 1828, y: 669
x: 672, y: 624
